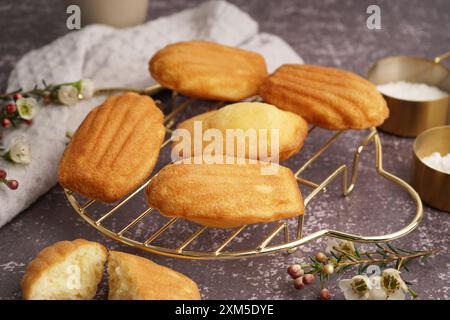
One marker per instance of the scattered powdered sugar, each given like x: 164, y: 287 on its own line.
x: 11, y: 266
x: 411, y: 91
x: 438, y: 162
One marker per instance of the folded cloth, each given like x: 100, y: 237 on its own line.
x: 112, y: 57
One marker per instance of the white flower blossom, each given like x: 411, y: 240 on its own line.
x: 19, y: 151
x: 87, y: 88
x: 68, y: 95
x: 357, y: 288
x: 388, y: 286
x: 342, y: 245
x: 393, y: 285
x: 27, y: 108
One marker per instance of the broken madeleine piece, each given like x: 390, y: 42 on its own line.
x: 115, y: 148
x: 225, y: 195
x: 66, y: 270
x: 256, y: 121
x: 208, y: 70
x: 326, y: 97
x: 135, y: 278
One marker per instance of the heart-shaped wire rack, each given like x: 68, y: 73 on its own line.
x: 264, y: 246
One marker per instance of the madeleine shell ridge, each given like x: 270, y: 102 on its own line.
x: 115, y: 148
x: 326, y: 97
x: 208, y: 70
x: 225, y: 195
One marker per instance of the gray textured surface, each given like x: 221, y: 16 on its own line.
x: 330, y: 33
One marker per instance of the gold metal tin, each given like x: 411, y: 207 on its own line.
x: 432, y: 185
x: 290, y: 241
x: 410, y: 118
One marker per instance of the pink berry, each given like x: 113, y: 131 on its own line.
x: 12, y: 184
x: 321, y: 257
x: 11, y: 108
x: 18, y: 96
x: 298, y: 283
x: 295, y: 271
x: 325, y: 294
x: 2, y: 174
x: 6, y: 123
x: 28, y: 122
x: 309, y: 278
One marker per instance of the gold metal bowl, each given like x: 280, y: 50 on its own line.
x: 432, y: 185
x: 410, y: 118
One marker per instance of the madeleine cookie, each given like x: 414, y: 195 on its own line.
x: 115, y: 148
x: 256, y: 121
x: 134, y: 278
x: 225, y: 195
x: 209, y: 70
x: 326, y: 97
x: 66, y: 270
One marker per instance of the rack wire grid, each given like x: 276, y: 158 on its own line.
x: 264, y: 246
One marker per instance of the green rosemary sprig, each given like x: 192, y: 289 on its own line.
x: 386, y: 256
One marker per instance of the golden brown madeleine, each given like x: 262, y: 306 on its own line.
x: 326, y: 97
x: 115, y: 148
x: 225, y: 195
x: 209, y: 70
x: 65, y: 270
x: 257, y: 117
x: 135, y: 278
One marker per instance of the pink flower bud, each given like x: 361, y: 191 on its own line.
x: 325, y: 294
x: 298, y: 283
x: 309, y: 279
x: 321, y: 257
x: 295, y: 271
x: 12, y: 184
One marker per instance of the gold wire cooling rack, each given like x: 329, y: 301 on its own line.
x: 289, y: 244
